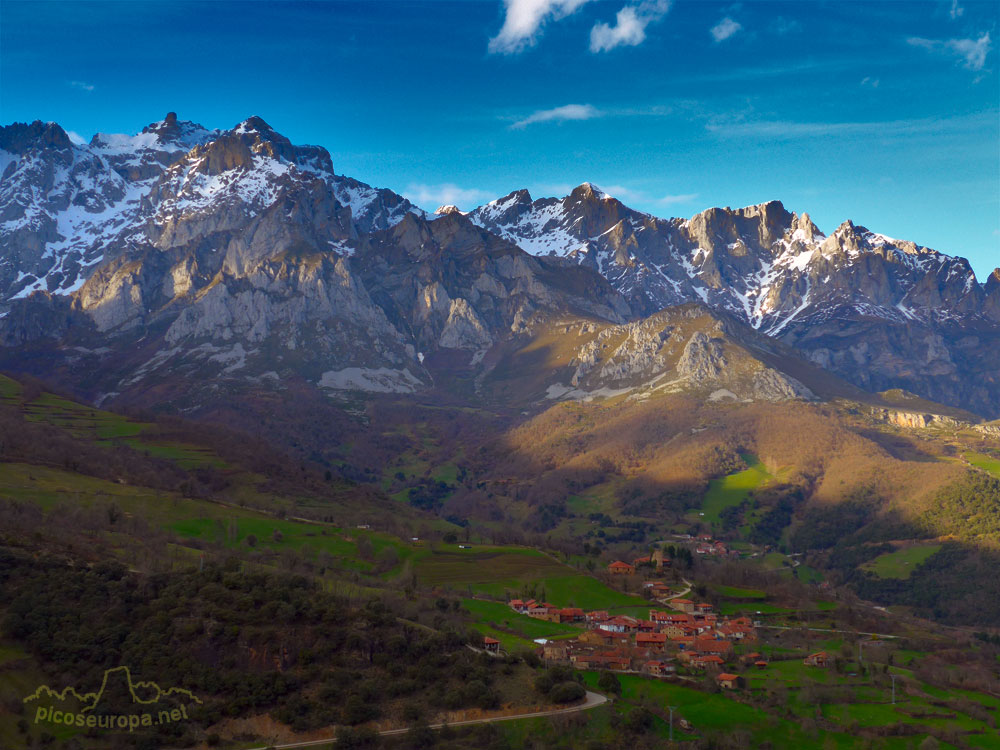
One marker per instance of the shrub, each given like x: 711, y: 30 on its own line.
x: 567, y: 692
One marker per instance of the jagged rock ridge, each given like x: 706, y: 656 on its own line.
x: 881, y: 312
x: 240, y: 236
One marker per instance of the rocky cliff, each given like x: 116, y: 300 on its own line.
x: 880, y: 312
x: 194, y: 241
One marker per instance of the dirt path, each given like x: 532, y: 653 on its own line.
x: 593, y: 700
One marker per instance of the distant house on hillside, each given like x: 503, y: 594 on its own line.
x: 727, y: 681
x: 819, y: 659
x: 491, y: 644
x: 619, y: 568
x: 621, y: 624
x: 659, y: 667
x: 571, y: 614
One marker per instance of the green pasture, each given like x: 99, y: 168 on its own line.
x: 502, y: 617
x: 901, y: 563
x: 735, y: 592
x: 984, y: 462
x: 731, y: 490
x: 503, y: 572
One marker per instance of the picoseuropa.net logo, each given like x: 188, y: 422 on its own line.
x: 120, y: 705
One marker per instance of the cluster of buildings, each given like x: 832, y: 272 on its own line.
x: 657, y: 560
x: 547, y: 612
x: 691, y: 635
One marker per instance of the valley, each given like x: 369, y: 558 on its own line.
x: 358, y: 544
x: 348, y: 470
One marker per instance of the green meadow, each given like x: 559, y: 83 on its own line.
x: 506, y: 572
x: 731, y: 490
x: 984, y: 462
x: 901, y: 563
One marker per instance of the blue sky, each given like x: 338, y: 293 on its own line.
x: 885, y: 113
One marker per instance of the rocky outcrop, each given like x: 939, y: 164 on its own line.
x: 915, y: 420
x: 455, y: 286
x: 702, y: 360
x: 685, y: 348
x: 989, y: 428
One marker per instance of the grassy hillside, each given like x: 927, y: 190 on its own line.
x: 208, y: 561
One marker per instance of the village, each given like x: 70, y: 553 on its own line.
x: 687, y: 639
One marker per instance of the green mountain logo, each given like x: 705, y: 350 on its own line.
x: 117, y: 688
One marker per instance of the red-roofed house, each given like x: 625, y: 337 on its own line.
x: 621, y: 624
x: 620, y: 568
x: 712, y: 646
x: 597, y: 617
x: 682, y: 605
x: 816, y: 660
x: 571, y: 614
x: 728, y: 681
x: 491, y: 644
x: 651, y: 640
x: 659, y: 668
x: 711, y: 661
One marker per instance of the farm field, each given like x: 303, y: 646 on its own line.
x: 717, y: 713
x: 984, y: 462
x: 504, y: 572
x: 501, y: 616
x: 735, y: 592
x: 107, y: 428
x: 731, y: 490
x: 901, y: 563
x: 52, y: 489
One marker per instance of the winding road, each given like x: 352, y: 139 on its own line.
x: 593, y: 700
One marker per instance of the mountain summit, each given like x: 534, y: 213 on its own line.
x: 240, y: 236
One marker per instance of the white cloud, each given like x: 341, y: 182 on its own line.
x: 524, y: 19
x: 725, y: 29
x: 432, y: 196
x: 788, y: 130
x: 957, y: 11
x: 971, y: 52
x: 83, y: 86
x: 559, y: 114
x: 630, y: 25
x: 869, y: 81
x: 670, y: 200
x: 76, y: 137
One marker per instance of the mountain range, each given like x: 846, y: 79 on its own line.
x: 131, y: 264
